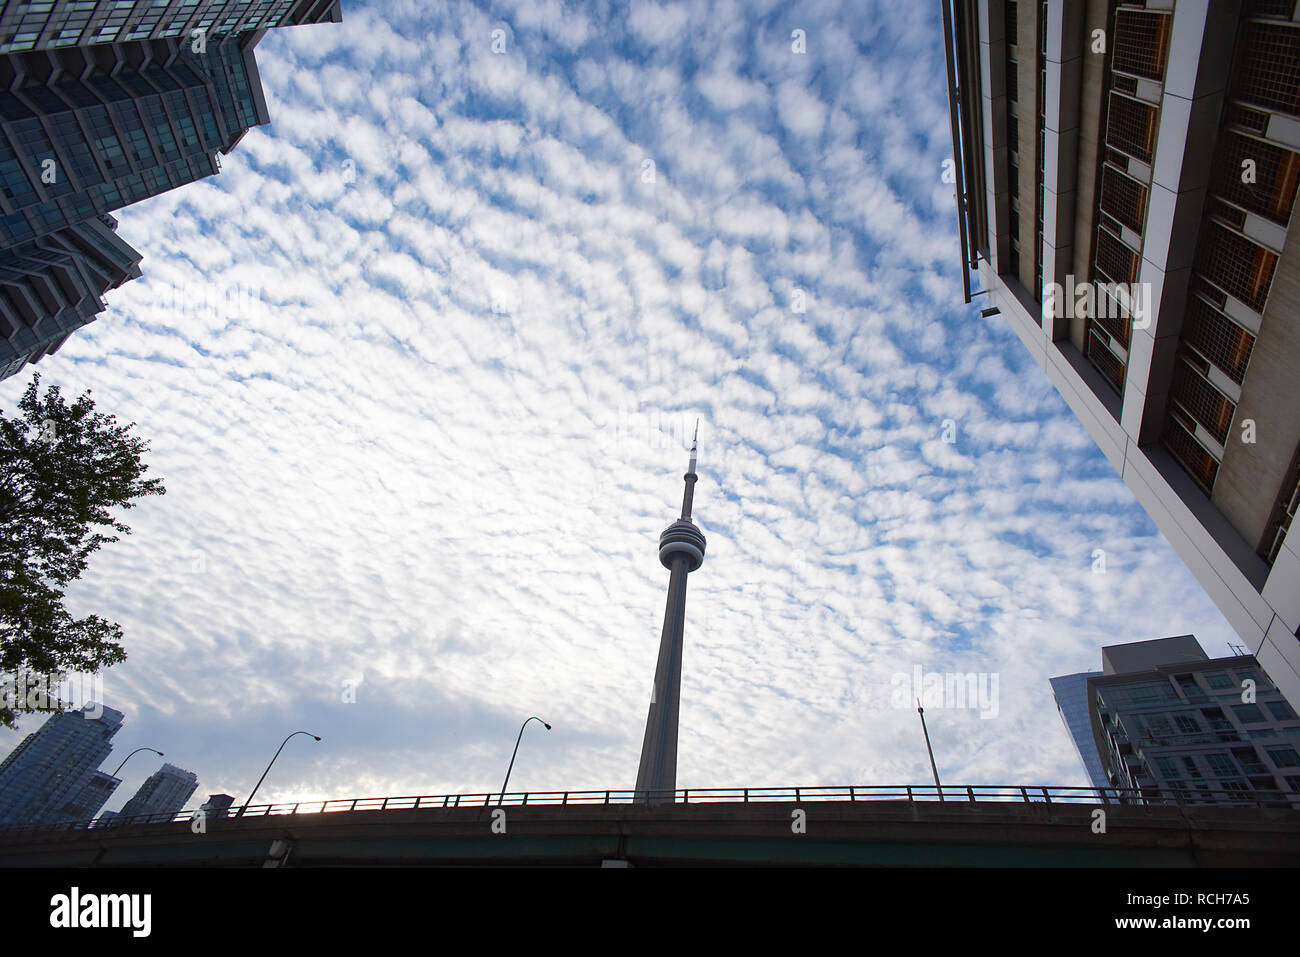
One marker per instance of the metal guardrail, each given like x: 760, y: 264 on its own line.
x: 1015, y: 794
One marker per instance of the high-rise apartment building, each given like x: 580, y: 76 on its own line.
x: 103, y: 104
x: 63, y: 23
x: 1071, y: 694
x: 165, y: 792
x: 1126, y: 175
x: 1165, y: 717
x: 56, y: 766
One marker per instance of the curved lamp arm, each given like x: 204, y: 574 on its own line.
x: 516, y: 751
x: 268, y: 768
x: 132, y: 754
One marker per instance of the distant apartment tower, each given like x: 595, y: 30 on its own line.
x: 217, y: 805
x: 53, y: 771
x: 103, y: 104
x: 165, y: 792
x: 1071, y: 694
x: 1165, y: 717
x: 1153, y: 148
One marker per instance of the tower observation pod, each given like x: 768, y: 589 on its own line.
x: 681, y: 551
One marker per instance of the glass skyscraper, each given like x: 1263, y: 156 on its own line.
x: 1071, y: 693
x: 64, y: 23
x: 104, y: 104
x: 53, y: 772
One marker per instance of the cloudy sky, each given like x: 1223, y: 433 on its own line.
x: 420, y: 366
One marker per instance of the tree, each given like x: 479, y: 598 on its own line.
x: 62, y: 469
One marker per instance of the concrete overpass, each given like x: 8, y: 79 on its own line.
x: 900, y: 827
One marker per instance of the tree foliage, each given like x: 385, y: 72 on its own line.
x: 63, y: 469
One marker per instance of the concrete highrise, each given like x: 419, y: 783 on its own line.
x: 165, y: 792
x: 54, y: 766
x: 1126, y: 175
x: 105, y: 104
x: 1165, y: 718
x: 681, y: 551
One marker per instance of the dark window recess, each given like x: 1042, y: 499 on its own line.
x: 1123, y: 198
x: 1106, y: 362
x: 1141, y: 43
x: 1277, y: 171
x: 1116, y: 260
x: 1203, y: 402
x: 1237, y: 264
x: 1234, y: 217
x: 1198, y: 463
x: 1218, y: 338
x: 1131, y: 126
x: 1269, y: 75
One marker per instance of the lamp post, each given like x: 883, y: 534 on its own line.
x: 132, y: 754
x: 929, y: 750
x: 268, y: 768
x: 516, y: 751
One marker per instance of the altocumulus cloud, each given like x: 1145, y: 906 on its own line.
x: 419, y: 366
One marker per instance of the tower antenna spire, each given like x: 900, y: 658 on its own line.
x: 688, y: 496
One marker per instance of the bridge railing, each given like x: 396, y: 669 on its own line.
x: 949, y: 793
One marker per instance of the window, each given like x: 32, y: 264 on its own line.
x: 1222, y: 765
x: 1186, y: 724
x: 1201, y: 400
x: 1158, y: 726
x: 1249, y: 760
x: 1249, y: 713
x: 1280, y: 710
x: 1285, y: 757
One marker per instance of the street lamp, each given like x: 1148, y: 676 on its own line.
x: 135, y: 752
x: 512, y: 757
x: 937, y: 786
x: 268, y: 768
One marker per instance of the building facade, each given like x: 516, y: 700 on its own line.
x: 1071, y: 694
x: 165, y: 792
x: 1126, y: 177
x: 1167, y: 718
x: 85, y: 805
x: 56, y: 766
x: 104, y: 104
x: 63, y: 23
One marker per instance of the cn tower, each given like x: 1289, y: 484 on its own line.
x: 681, y: 551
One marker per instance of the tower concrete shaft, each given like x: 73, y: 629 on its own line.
x: 681, y: 551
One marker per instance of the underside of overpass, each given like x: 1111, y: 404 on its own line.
x: 811, y: 833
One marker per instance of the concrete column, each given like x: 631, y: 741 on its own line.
x: 1064, y: 61
x: 1201, y: 43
